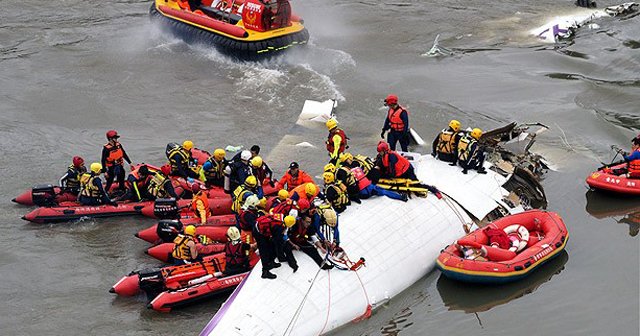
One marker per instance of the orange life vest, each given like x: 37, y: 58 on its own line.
x: 343, y: 142
x: 205, y: 201
x: 302, y: 192
x: 360, y: 176
x: 634, y: 169
x: 285, y: 207
x: 395, y: 121
x: 116, y: 154
x: 294, y: 181
x: 401, y: 165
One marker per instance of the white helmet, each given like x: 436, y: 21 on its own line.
x: 251, y: 202
x: 233, y: 233
x: 245, y: 155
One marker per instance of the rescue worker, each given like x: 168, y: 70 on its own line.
x: 633, y: 159
x: 308, y: 191
x: 445, y: 145
x: 241, y: 193
x: 113, y: 156
x: 325, y: 221
x: 254, y: 151
x: 160, y: 185
x: 336, y: 141
x: 335, y: 193
x: 397, y: 123
x: 291, y: 208
x: 70, y: 181
x: 212, y: 172
x: 361, y: 161
x: 249, y: 213
x: 394, y: 165
x: 236, y: 253
x: 91, y: 190
x: 294, y: 177
x: 269, y: 235
x: 181, y: 161
x: 281, y: 197
x: 304, y: 237
x: 239, y: 170
x: 368, y: 189
x: 200, y: 203
x: 346, y: 179
x: 137, y: 185
x: 470, y: 153
x: 262, y: 172
x: 184, y: 250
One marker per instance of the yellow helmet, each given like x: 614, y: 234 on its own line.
x: 330, y: 167
x: 476, y: 133
x: 332, y: 123
x: 328, y: 177
x: 256, y: 161
x: 346, y: 157
x: 455, y: 125
x: 96, y: 167
x: 263, y: 203
x: 283, y: 194
x: 219, y: 154
x: 190, y: 230
x: 310, y: 189
x: 329, y: 215
x: 187, y: 144
x: 251, y: 181
x: 289, y: 221
x: 233, y: 233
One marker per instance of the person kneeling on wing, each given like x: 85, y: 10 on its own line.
x: 445, y: 145
x: 470, y: 153
x: 335, y: 192
x: 392, y: 164
x: 91, y: 190
x: 304, y: 237
x: 346, y: 179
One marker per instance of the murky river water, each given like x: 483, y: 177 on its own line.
x: 69, y: 70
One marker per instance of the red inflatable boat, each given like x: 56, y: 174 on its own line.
x: 532, y: 238
x: 151, y: 235
x: 163, y: 251
x: 614, y: 179
x: 174, y: 286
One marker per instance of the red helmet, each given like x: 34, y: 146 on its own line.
x: 195, y: 188
x: 112, y: 134
x: 78, y: 161
x: 383, y: 146
x: 166, y: 169
x: 391, y: 99
x: 303, y: 204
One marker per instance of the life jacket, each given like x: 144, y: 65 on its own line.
x: 239, y: 195
x: 247, y: 219
x: 301, y: 190
x: 446, y: 143
x: 298, y: 234
x: 181, y: 250
x: 156, y: 185
x: 205, y: 201
x: 235, y: 255
x: 343, y: 142
x: 349, y: 179
x: 116, y: 154
x: 217, y: 170
x: 285, y: 207
x: 342, y: 200
x: 87, y: 188
x: 464, y: 148
x: 361, y: 177
x: 634, y: 169
x: 295, y: 181
x: 259, y: 173
x: 73, y: 177
x: 265, y: 224
x: 401, y: 165
x: 395, y: 121
x: 365, y: 162
x: 179, y: 156
x: 139, y: 182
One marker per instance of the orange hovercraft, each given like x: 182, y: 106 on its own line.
x: 243, y: 29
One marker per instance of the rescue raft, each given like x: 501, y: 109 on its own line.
x: 150, y: 234
x: 535, y: 236
x: 244, y: 29
x: 615, y: 180
x: 173, y: 286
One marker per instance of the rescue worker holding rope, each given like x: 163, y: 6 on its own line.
x: 470, y: 153
x: 113, y: 157
x: 91, y: 190
x: 70, y: 181
x: 212, y: 172
x: 445, y: 145
x: 397, y: 123
x: 336, y: 141
x: 304, y: 237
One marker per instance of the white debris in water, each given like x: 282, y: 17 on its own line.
x: 305, y: 144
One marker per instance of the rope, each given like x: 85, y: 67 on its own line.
x: 328, y: 305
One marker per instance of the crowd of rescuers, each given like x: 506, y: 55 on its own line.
x: 294, y: 219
